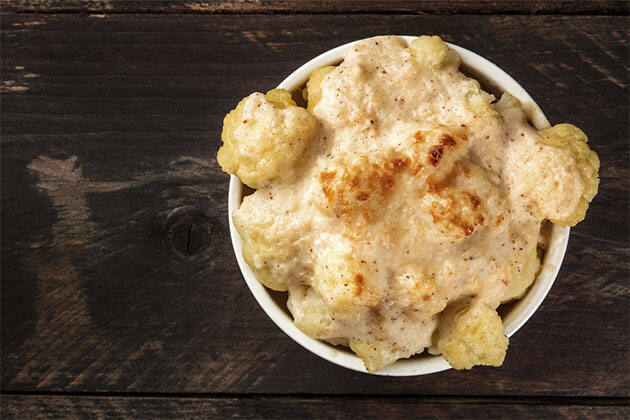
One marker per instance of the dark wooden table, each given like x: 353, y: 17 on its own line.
x: 121, y: 296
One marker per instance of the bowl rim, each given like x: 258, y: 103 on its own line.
x: 522, y: 309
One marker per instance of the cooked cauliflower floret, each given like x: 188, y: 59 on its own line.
x: 374, y: 354
x: 310, y: 313
x: 557, y: 171
x: 313, y: 91
x: 268, y: 245
x: 478, y: 101
x: 434, y: 52
x: 280, y: 98
x: 471, y: 333
x: 507, y: 102
x: 413, y: 287
x: 264, y: 137
x: 519, y: 284
x: 339, y: 281
x: 571, y: 138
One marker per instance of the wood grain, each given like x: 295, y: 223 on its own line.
x: 109, y: 129
x: 44, y: 407
x: 571, y: 7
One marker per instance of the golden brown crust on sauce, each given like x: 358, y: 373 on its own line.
x: 435, y: 154
x: 358, y: 284
x: 447, y: 140
x: 454, y: 210
x: 364, y: 187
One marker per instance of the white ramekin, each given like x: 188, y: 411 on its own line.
x: 519, y: 312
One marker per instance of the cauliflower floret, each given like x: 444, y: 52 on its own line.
x: 338, y: 280
x: 268, y: 245
x: 522, y: 279
x: 506, y: 103
x: 569, y: 137
x: 374, y: 354
x: 471, y: 333
x: 559, y: 174
x: 310, y: 313
x: 264, y: 137
x: 280, y: 98
x: 434, y: 52
x: 313, y: 91
x: 478, y: 101
x: 413, y: 287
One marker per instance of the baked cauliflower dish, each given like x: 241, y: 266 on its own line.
x: 403, y: 204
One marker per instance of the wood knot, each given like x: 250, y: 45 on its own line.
x: 187, y: 231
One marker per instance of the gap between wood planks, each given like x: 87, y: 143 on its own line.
x: 445, y: 399
x: 481, y: 7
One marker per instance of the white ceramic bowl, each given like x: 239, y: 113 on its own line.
x: 518, y: 313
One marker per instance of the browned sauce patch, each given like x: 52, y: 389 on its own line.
x: 416, y: 168
x: 397, y: 164
x: 437, y: 151
x: 447, y: 141
x: 474, y: 200
x: 435, y: 154
x: 325, y: 178
x: 359, y: 282
x: 437, y: 185
x: 364, y: 187
x: 419, y: 137
x: 459, y: 212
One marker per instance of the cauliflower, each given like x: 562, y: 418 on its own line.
x: 471, y: 333
x: 338, y: 280
x: 310, y: 314
x: 264, y: 137
x: 375, y: 354
x: 434, y: 52
x: 267, y: 246
x: 313, y: 91
x: 569, y: 137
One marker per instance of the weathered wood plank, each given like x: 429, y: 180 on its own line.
x: 109, y: 130
x: 572, y: 7
x: 43, y: 407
